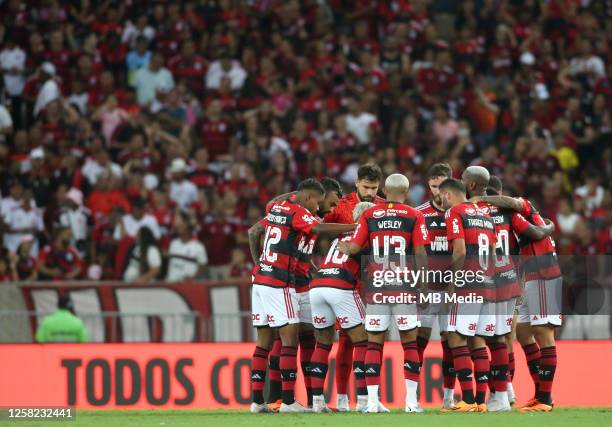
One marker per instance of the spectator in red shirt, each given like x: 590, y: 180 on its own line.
x: 190, y: 67
x: 60, y: 260
x: 215, y: 131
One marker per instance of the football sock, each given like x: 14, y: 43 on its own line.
x: 463, y: 369
x: 448, y: 369
x: 422, y: 345
x: 412, y: 364
x: 532, y: 354
x: 344, y: 361
x: 499, y: 366
x: 258, y: 373
x: 274, y: 391
x: 318, y: 367
x: 359, y: 354
x: 288, y: 367
x: 511, y: 365
x: 372, y: 364
x: 307, y: 347
x: 546, y: 373
x: 480, y: 358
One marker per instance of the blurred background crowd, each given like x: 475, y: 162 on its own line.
x: 137, y: 134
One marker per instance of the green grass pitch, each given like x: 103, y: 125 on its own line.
x: 573, y: 417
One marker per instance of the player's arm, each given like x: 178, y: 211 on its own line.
x: 538, y: 232
x: 255, y: 233
x: 333, y: 228
x: 420, y: 238
x: 420, y: 261
x: 459, y: 252
x: 359, y: 239
x: 504, y: 202
x: 524, y: 228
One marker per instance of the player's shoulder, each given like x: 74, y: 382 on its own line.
x: 425, y: 207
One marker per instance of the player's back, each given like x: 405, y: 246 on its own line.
x: 476, y: 227
x: 393, y: 225
x: 286, y: 225
x: 508, y: 225
x: 338, y: 270
x: 539, y: 256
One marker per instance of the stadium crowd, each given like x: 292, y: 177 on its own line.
x: 171, y: 124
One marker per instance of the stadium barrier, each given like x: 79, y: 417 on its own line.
x: 206, y: 376
x: 174, y: 312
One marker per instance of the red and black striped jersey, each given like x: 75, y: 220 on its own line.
x: 468, y: 222
x: 303, y: 265
x: 287, y: 227
x: 438, y: 252
x: 539, y: 257
x: 391, y: 226
x: 338, y: 270
x: 508, y: 225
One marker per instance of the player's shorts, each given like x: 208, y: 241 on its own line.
x: 542, y: 303
x: 329, y: 304
x: 305, y: 309
x: 472, y: 319
x: 504, y: 313
x: 274, y: 307
x: 379, y: 316
x: 435, y: 310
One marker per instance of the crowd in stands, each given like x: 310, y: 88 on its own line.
x: 140, y: 139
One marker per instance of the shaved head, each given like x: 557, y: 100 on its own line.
x: 476, y: 179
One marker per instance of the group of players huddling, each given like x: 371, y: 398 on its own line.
x: 295, y: 305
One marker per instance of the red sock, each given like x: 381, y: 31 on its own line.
x: 448, y: 370
x: 258, y: 373
x: 491, y: 382
x: 288, y: 367
x: 359, y: 354
x: 373, y: 359
x: 422, y: 345
x: 546, y: 373
x: 511, y: 366
x: 499, y: 366
x: 480, y: 358
x: 532, y: 354
x: 307, y: 348
x: 412, y: 364
x: 318, y: 367
x: 274, y: 392
x: 463, y: 368
x: 344, y: 361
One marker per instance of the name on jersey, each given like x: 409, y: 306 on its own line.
x: 477, y: 222
x: 390, y: 224
x: 498, y: 219
x: 276, y: 219
x: 439, y: 244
